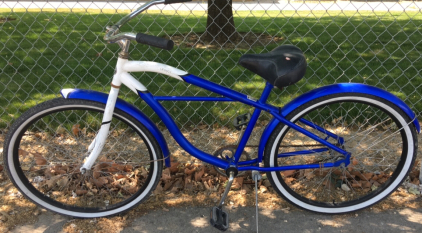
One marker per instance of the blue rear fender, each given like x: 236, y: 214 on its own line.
x: 334, y: 89
x: 125, y: 107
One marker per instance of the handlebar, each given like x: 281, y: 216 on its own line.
x: 175, y: 1
x: 154, y: 41
x: 112, y: 35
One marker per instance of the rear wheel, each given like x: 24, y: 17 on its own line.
x: 47, y: 145
x: 380, y: 137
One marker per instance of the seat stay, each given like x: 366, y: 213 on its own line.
x: 340, y: 140
x: 311, y: 135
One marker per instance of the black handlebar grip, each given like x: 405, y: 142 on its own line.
x: 175, y: 1
x: 154, y: 41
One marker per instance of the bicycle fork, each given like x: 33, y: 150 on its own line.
x: 97, y: 144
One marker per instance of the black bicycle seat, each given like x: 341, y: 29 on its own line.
x: 283, y: 66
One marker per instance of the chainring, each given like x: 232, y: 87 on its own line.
x: 229, y: 151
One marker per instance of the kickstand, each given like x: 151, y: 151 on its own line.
x: 219, y: 218
x: 256, y: 176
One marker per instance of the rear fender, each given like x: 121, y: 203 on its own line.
x: 125, y: 107
x: 334, y: 89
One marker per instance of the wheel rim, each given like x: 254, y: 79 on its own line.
x: 323, y: 189
x: 53, y: 178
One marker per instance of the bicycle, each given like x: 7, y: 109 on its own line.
x: 335, y: 149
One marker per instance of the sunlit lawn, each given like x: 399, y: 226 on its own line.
x: 43, y: 52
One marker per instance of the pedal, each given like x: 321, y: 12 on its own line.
x: 219, y: 219
x: 241, y: 120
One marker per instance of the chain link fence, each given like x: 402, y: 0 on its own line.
x: 49, y: 45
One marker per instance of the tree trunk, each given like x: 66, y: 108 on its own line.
x: 220, y: 23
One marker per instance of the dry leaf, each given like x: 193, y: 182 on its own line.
x: 23, y: 153
x: 309, y: 174
x: 200, y: 186
x: 289, y: 180
x: 174, y: 190
x: 337, y: 172
x: 60, y: 171
x: 199, y: 174
x: 119, y: 176
x: 189, y: 172
x: 288, y: 173
x: 48, y: 174
x: 166, y: 175
x: 158, y: 189
x: 128, y: 168
x: 39, y: 159
x: 179, y: 183
x: 80, y: 192
x: 376, y: 177
x: 133, y: 189
x: 188, y: 184
x: 52, y: 181
x: 237, y: 183
x: 382, y: 180
x: 112, y: 169
x: 99, y: 182
x: 213, y: 172
x: 60, y: 130
x: 144, y: 172
x: 75, y: 129
x: 174, y: 167
x: 245, y: 189
x: 83, y: 131
x: 63, y: 182
x: 266, y: 183
x: 415, y: 181
x: 222, y: 178
x: 263, y: 189
x: 358, y: 174
x: 368, y: 175
x: 101, y: 165
x: 366, y: 184
x: 88, y: 184
x: 96, y: 174
x: 356, y: 185
x: 168, y: 184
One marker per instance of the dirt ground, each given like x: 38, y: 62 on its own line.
x: 16, y: 210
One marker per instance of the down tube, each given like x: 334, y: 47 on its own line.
x: 177, y: 135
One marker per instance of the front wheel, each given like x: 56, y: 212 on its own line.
x: 47, y: 145
x: 380, y: 137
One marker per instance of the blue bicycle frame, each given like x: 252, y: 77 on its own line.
x: 122, y: 76
x: 260, y: 105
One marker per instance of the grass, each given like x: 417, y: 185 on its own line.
x: 43, y: 52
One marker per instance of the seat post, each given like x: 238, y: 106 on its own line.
x: 265, y: 93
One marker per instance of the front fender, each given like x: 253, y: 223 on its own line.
x: 334, y: 89
x: 125, y: 107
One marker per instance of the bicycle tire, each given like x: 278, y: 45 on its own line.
x: 380, y: 137
x: 46, y: 146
